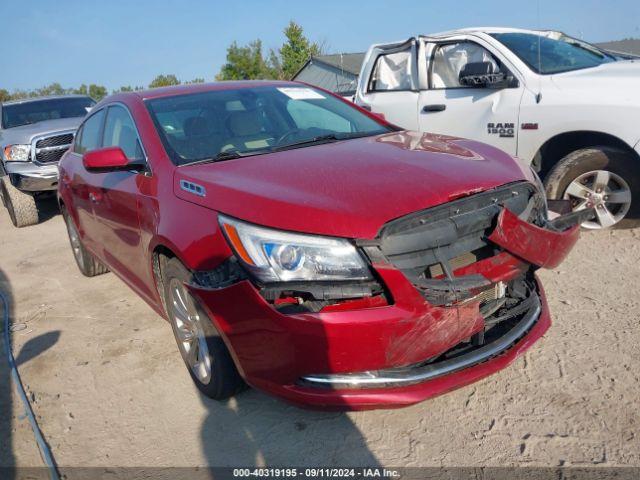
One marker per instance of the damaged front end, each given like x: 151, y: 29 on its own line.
x: 475, y: 258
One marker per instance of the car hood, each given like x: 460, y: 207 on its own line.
x: 611, y: 81
x: 26, y: 133
x: 349, y: 188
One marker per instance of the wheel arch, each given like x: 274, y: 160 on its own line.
x: 560, y: 145
x: 160, y: 255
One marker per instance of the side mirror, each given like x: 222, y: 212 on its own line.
x: 108, y: 159
x: 483, y: 75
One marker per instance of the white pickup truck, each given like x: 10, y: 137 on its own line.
x: 564, y: 106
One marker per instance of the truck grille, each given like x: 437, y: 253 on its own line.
x: 50, y: 149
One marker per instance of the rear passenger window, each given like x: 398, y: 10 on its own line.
x: 392, y: 72
x: 120, y: 131
x: 88, y: 138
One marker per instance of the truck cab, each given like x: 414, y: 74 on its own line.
x: 34, y: 134
x: 558, y: 103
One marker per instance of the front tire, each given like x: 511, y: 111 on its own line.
x: 201, y: 347
x: 603, y: 178
x: 88, y: 265
x: 21, y: 206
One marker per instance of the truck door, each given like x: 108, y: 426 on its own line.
x: 388, y: 83
x: 446, y: 106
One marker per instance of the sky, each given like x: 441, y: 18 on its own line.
x: 116, y: 43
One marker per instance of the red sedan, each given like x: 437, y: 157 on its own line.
x: 304, y: 246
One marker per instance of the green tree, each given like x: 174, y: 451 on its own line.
x: 295, y: 51
x: 81, y: 90
x: 127, y: 88
x: 196, y: 80
x: 5, y: 96
x: 164, y: 81
x: 248, y: 62
x: 245, y: 63
x: 51, y: 89
x: 97, y: 92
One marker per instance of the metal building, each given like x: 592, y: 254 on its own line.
x: 337, y: 73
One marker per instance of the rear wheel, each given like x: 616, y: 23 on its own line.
x: 21, y: 206
x: 201, y: 347
x: 87, y: 263
x: 602, y: 178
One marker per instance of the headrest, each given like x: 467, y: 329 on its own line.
x: 245, y: 123
x: 196, y: 127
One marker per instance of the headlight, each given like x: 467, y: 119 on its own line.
x: 17, y: 153
x: 276, y: 256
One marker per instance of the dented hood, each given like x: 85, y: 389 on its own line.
x: 349, y: 188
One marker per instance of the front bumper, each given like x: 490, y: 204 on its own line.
x: 29, y: 177
x: 274, y: 351
x: 430, y: 338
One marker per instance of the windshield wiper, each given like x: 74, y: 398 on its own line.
x: 228, y: 155
x: 320, y: 139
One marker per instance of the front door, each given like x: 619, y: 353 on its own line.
x: 446, y: 106
x: 117, y: 196
x: 389, y: 85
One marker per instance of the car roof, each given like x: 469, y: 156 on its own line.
x: 44, y: 97
x: 206, y: 87
x: 485, y: 30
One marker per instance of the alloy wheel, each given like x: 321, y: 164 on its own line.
x: 191, y: 337
x: 74, y: 239
x: 608, y: 193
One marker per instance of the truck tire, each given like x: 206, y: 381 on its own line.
x: 605, y: 178
x: 204, y: 352
x: 87, y: 263
x: 21, y: 206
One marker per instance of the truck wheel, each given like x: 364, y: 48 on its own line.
x: 601, y: 177
x: 21, y: 206
x: 201, y: 347
x: 87, y: 263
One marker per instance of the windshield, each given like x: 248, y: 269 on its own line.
x: 224, y: 124
x: 18, y: 114
x: 555, y: 55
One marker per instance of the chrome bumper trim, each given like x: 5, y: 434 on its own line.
x: 390, y: 378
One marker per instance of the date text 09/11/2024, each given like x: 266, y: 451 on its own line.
x: 317, y: 472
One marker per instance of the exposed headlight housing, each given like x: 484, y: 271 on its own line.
x: 17, y: 153
x: 277, y: 256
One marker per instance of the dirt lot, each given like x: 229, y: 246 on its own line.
x: 110, y: 389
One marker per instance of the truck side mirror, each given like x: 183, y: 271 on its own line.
x: 484, y: 75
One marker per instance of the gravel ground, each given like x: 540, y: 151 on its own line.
x: 109, y: 388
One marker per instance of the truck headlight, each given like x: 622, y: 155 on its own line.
x: 277, y: 256
x: 17, y: 153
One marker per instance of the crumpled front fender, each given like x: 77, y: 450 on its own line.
x: 541, y: 246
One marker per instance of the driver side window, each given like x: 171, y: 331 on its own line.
x: 119, y: 131
x: 449, y: 59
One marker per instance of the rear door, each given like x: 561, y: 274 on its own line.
x: 446, y: 106
x: 388, y: 84
x: 117, y: 198
x: 88, y: 137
